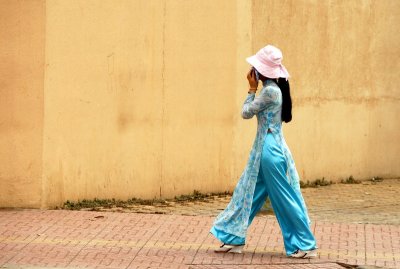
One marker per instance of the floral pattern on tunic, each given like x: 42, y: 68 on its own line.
x: 267, y: 106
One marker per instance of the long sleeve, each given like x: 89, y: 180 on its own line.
x: 254, y: 104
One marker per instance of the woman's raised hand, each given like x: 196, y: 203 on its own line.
x: 251, y: 77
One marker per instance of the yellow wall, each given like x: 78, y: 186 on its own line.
x: 137, y: 105
x: 344, y: 58
x: 22, y: 38
x: 143, y: 98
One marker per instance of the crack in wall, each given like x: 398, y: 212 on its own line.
x: 163, y: 98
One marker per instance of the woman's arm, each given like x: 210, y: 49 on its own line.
x: 254, y: 104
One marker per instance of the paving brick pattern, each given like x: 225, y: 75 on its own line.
x: 81, y: 239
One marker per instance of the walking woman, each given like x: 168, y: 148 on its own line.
x: 270, y: 170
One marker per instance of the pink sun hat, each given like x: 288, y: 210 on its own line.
x: 268, y: 62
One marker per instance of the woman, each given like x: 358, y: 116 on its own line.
x: 270, y: 170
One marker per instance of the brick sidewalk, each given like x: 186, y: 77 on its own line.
x: 80, y: 239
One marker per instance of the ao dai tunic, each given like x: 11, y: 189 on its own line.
x: 267, y: 106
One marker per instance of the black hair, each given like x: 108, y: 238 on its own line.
x: 286, y: 99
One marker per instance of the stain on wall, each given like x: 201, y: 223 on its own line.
x: 21, y: 102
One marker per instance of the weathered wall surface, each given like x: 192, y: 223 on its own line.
x: 103, y: 100
x: 143, y: 98
x: 21, y: 102
x: 138, y: 105
x: 344, y: 58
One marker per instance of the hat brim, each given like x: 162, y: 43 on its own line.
x: 267, y: 71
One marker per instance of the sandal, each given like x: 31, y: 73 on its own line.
x: 304, y: 254
x: 229, y: 248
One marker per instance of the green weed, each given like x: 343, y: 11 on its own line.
x: 315, y: 184
x: 350, y: 180
x: 111, y: 203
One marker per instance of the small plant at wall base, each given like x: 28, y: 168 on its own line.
x: 316, y: 183
x: 105, y: 203
x: 350, y: 180
x: 197, y: 195
x: 112, y: 203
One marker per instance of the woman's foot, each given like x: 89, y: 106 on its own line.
x: 305, y: 254
x: 229, y: 248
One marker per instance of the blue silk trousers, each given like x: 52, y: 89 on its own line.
x: 285, y: 201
